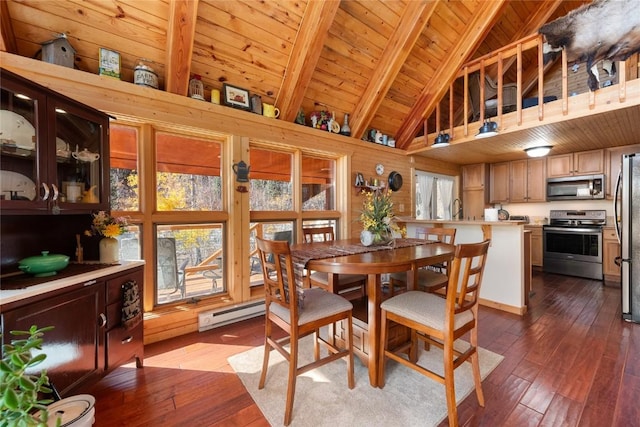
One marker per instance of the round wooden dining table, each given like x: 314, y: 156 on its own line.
x: 373, y: 265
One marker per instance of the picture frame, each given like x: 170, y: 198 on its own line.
x: 109, y: 63
x: 236, y: 97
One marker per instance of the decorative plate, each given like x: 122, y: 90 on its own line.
x: 13, y: 181
x: 16, y: 131
x: 395, y: 181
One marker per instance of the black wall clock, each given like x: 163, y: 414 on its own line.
x: 395, y: 181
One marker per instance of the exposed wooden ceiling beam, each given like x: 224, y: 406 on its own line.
x: 414, y: 17
x: 7, y: 38
x: 314, y: 28
x: 482, y: 23
x: 183, y: 15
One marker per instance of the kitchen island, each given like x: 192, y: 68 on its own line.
x: 503, y: 283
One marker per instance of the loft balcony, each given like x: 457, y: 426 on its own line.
x: 531, y: 103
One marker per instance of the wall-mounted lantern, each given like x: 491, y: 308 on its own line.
x: 241, y: 169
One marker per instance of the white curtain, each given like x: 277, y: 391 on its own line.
x: 445, y: 190
x: 425, y: 186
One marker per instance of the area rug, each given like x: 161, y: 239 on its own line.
x: 322, y: 397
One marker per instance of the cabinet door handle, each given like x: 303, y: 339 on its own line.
x: 55, y: 192
x: 90, y: 282
x: 103, y: 320
x: 45, y: 187
x: 127, y: 340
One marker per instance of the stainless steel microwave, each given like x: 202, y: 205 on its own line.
x: 585, y: 187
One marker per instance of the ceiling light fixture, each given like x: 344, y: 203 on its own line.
x: 539, y: 151
x: 488, y: 129
x: 442, y: 140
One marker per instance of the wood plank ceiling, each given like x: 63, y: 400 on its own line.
x: 386, y: 63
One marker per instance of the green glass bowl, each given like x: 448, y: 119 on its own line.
x: 44, y: 265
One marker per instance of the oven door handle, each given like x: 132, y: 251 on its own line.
x: 573, y: 230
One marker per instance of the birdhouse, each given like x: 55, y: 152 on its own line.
x: 59, y: 51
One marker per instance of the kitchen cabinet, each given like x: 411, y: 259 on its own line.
x: 88, y: 339
x: 536, y: 245
x: 613, y: 163
x: 527, y: 180
x: 475, y: 177
x: 610, y: 250
x: 580, y: 163
x: 75, y: 347
x: 475, y: 190
x: 499, y: 183
x: 53, y: 151
x: 528, y: 279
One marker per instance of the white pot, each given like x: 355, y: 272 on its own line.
x: 73, y: 411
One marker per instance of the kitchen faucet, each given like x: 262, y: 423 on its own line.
x: 458, y: 212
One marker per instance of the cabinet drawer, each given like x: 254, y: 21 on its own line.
x: 123, y: 345
x: 609, y: 235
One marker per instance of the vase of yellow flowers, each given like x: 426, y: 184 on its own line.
x: 109, y: 228
x: 378, y: 220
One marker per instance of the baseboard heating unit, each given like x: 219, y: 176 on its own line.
x: 215, y: 318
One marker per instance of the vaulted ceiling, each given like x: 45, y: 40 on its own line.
x: 385, y: 63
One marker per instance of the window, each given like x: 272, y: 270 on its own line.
x: 189, y: 261
x: 318, y: 184
x: 434, y: 194
x: 123, y: 151
x: 187, y: 173
x: 270, y: 180
x: 266, y: 230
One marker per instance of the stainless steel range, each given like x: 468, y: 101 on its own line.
x: 572, y: 243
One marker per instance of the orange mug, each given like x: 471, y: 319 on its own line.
x: 269, y: 110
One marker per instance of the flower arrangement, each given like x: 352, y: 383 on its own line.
x: 106, y: 225
x: 377, y: 215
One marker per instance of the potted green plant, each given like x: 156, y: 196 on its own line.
x: 21, y: 402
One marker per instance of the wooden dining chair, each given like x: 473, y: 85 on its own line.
x: 351, y: 286
x: 429, y: 278
x: 440, y: 321
x: 299, y: 312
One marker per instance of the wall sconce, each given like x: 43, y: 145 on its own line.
x: 539, y: 151
x: 488, y: 129
x: 442, y: 140
x: 241, y: 169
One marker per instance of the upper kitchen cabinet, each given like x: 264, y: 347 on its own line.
x: 580, y: 163
x: 613, y: 164
x: 475, y: 177
x: 527, y: 180
x: 499, y: 183
x: 53, y: 151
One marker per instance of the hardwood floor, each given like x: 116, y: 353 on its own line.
x: 570, y: 361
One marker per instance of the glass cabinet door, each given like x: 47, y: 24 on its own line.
x: 80, y: 157
x: 54, y: 151
x: 22, y: 132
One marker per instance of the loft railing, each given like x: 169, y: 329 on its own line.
x: 496, y: 64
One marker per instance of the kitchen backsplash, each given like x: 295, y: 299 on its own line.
x: 539, y: 212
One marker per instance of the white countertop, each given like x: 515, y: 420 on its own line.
x: 8, y: 296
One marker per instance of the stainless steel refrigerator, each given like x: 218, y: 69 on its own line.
x: 627, y: 216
